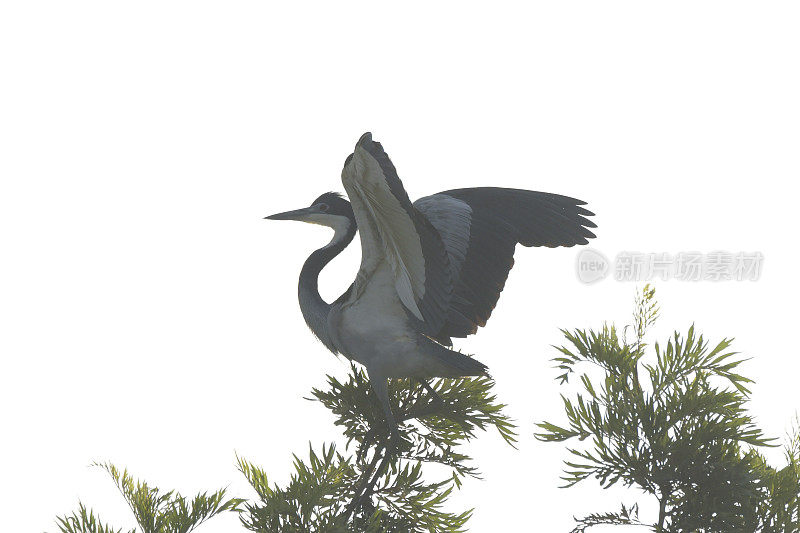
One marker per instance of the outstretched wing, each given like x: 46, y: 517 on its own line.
x: 480, y: 228
x: 392, y: 230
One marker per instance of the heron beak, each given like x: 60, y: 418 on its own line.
x: 297, y: 214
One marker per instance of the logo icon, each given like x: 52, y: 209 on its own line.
x: 591, y: 266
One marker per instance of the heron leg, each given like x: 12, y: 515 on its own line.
x: 381, y: 388
x: 370, y: 476
x: 366, y: 443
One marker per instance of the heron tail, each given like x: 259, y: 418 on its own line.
x: 451, y: 364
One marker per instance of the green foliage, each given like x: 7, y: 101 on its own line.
x: 778, y: 506
x: 673, y: 424
x: 84, y: 521
x: 381, y: 487
x: 671, y: 421
x: 155, y: 512
x: 626, y: 516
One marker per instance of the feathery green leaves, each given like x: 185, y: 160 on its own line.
x: 332, y: 492
x: 154, y: 511
x: 672, y: 423
x: 84, y: 521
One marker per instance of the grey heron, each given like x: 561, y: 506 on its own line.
x: 430, y: 270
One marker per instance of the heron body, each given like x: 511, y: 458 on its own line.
x: 430, y: 271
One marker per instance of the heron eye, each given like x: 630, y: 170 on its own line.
x: 323, y: 207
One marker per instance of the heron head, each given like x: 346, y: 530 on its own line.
x: 330, y: 210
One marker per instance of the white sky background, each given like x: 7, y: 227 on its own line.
x: 148, y: 315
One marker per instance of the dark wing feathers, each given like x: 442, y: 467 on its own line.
x: 451, y: 252
x: 537, y: 218
x: 498, y: 220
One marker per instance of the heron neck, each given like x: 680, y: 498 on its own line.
x: 315, y: 309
